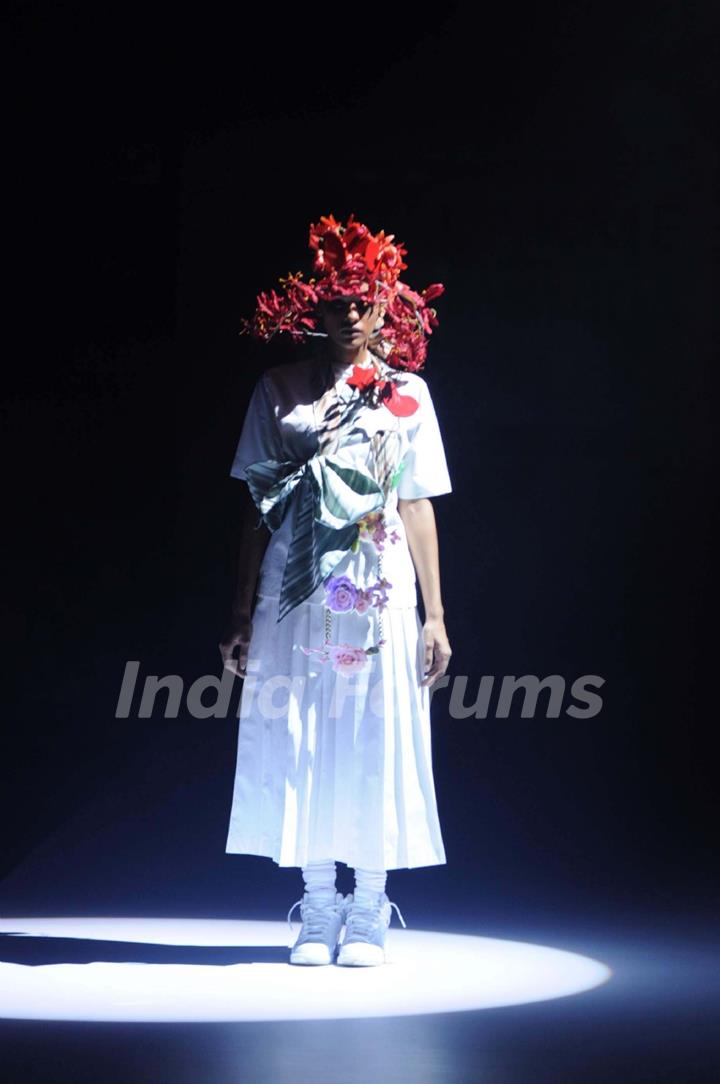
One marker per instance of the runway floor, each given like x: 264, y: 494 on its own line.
x: 203, y: 1001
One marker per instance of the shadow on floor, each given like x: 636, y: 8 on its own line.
x: 37, y: 951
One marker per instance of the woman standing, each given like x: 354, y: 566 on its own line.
x: 341, y: 453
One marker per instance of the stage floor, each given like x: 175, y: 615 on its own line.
x: 174, y: 1000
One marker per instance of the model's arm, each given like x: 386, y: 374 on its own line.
x: 418, y: 518
x: 253, y: 543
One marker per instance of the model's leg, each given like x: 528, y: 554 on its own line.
x: 319, y: 878
x: 367, y: 917
x: 322, y: 911
x: 369, y: 885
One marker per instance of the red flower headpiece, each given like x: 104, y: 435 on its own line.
x: 350, y: 261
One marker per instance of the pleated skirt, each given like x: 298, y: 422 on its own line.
x: 332, y: 765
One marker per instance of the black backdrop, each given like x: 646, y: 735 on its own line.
x: 555, y: 168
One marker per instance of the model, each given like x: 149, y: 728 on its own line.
x: 341, y: 452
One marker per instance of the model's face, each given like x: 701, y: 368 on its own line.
x: 350, y: 321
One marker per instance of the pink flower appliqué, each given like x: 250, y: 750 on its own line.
x: 362, y: 603
x: 347, y: 659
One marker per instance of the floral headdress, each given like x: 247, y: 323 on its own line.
x: 350, y: 261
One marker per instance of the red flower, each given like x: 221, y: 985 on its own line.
x: 402, y: 406
x: 365, y: 379
x: 362, y: 377
x: 349, y: 260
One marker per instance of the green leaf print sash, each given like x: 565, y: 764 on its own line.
x: 332, y: 497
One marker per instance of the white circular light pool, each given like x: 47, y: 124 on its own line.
x: 427, y: 972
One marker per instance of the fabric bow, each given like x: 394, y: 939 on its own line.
x: 331, y: 497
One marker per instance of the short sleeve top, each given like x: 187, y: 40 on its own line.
x: 260, y: 436
x: 268, y: 433
x: 281, y: 423
x: 425, y: 471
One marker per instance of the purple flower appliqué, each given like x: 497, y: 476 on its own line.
x: 380, y: 593
x: 340, y: 594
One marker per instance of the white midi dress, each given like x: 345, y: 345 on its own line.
x: 334, y: 765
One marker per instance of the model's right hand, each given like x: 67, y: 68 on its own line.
x: 237, y: 635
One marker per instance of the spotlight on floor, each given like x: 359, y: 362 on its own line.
x: 239, y: 971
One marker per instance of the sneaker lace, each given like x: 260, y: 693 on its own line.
x: 363, y: 920
x: 314, y: 915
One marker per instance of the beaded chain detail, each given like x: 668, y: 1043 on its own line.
x: 380, y: 626
x: 347, y: 658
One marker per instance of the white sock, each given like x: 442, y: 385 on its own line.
x: 369, y: 885
x: 319, y: 878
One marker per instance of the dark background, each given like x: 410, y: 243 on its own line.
x: 555, y: 167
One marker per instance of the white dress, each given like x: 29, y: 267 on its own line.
x: 331, y: 765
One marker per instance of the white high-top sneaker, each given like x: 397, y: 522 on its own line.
x: 321, y: 925
x: 365, y: 927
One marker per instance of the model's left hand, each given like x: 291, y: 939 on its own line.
x: 437, y: 650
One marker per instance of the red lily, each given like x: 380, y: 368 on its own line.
x: 402, y: 406
x: 362, y: 378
